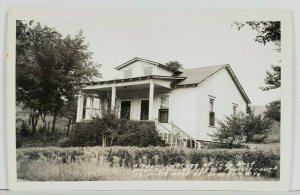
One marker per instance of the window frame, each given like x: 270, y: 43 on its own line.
x: 85, y: 110
x: 234, y: 107
x: 211, y: 113
x: 130, y: 109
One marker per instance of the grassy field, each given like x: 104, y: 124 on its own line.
x: 153, y: 163
x: 93, y: 171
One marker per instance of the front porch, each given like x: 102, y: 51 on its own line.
x: 136, y: 100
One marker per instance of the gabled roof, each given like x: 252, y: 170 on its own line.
x: 195, y: 76
x: 147, y: 61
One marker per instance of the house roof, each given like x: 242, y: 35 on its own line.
x: 147, y: 61
x: 183, y: 78
x: 198, y: 75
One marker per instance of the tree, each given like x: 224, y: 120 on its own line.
x: 50, y: 68
x: 234, y: 131
x: 267, y: 32
x: 273, y: 79
x: 273, y: 110
x: 174, y: 65
x: 69, y: 112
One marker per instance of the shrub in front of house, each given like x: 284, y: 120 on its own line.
x: 235, y: 131
x: 112, y: 131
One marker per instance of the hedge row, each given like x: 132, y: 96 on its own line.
x: 130, y: 156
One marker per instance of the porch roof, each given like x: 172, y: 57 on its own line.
x: 164, y: 81
x: 170, y: 78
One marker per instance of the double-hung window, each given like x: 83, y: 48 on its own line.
x: 86, y: 107
x: 211, y: 112
x: 234, y: 107
x: 163, y: 115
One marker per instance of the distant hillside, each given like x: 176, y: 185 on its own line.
x: 274, y: 134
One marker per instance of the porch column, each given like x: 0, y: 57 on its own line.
x: 151, y: 96
x: 113, y: 97
x: 79, y: 107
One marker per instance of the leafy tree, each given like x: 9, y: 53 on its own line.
x: 230, y: 132
x: 273, y: 110
x: 273, y: 79
x: 174, y: 65
x: 235, y: 131
x: 256, y: 127
x: 267, y: 32
x: 50, y: 68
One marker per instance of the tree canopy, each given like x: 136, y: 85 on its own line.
x: 273, y: 110
x: 174, y: 65
x: 234, y: 131
x: 267, y: 32
x: 50, y: 67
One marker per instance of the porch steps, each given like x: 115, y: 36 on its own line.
x: 175, y: 137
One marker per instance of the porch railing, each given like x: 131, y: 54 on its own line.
x: 175, y: 136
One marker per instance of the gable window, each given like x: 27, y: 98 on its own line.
x: 148, y: 71
x: 211, y: 112
x: 127, y: 73
x: 234, y: 107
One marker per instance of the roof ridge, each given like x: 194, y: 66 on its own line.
x: 221, y: 65
x: 150, y: 61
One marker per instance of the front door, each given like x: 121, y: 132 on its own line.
x: 125, y: 109
x: 144, y: 110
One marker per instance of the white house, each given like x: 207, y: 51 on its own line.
x: 184, y: 104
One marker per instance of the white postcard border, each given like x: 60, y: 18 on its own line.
x: 286, y: 113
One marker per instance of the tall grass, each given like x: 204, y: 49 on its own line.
x: 123, y: 163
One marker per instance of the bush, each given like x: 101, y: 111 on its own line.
x: 273, y: 110
x: 112, y: 131
x: 235, y: 131
x: 262, y: 162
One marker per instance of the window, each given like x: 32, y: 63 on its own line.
x: 211, y: 112
x: 96, y: 106
x: 164, y: 102
x: 234, y: 109
x: 148, y: 71
x: 163, y: 115
x: 86, y: 107
x: 125, y: 109
x: 127, y: 73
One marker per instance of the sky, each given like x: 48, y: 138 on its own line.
x: 193, y: 38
